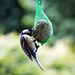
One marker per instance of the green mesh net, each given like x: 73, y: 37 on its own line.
x: 42, y: 29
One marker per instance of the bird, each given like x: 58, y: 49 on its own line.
x: 29, y: 45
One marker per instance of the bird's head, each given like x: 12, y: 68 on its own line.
x: 27, y: 32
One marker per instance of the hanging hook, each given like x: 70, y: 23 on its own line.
x: 39, y: 2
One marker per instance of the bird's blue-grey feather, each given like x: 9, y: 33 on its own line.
x: 25, y: 47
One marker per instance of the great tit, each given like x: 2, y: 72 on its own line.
x: 29, y: 45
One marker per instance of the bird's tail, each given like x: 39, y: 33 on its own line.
x: 37, y: 61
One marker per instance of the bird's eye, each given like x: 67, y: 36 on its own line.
x: 22, y: 33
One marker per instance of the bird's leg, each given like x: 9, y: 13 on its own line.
x: 37, y: 45
x: 34, y: 40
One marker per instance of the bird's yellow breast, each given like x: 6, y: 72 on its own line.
x: 30, y: 42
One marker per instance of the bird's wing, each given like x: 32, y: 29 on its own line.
x: 25, y: 47
x: 34, y: 55
x: 28, y: 52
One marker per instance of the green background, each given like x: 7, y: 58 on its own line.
x: 56, y: 56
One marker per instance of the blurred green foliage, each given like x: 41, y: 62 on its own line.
x: 13, y: 60
x: 16, y: 15
x: 10, y: 16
